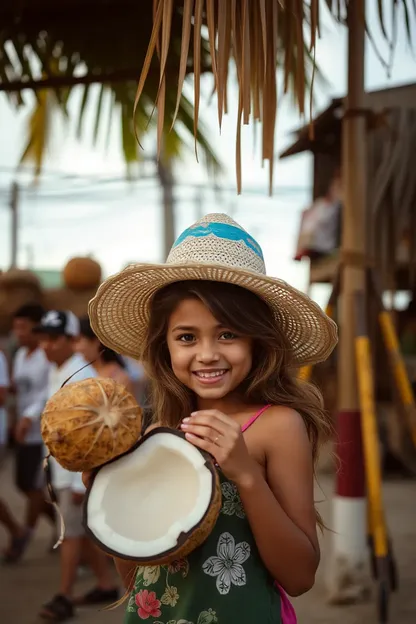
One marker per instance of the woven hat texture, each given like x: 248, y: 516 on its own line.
x: 215, y: 248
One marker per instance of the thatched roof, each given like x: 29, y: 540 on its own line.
x: 110, y: 36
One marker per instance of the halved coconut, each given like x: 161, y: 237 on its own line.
x: 156, y: 503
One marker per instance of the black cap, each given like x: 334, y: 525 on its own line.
x: 58, y: 323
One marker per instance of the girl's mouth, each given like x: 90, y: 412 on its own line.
x: 210, y: 376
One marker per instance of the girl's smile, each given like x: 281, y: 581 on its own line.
x: 210, y: 376
x: 206, y: 357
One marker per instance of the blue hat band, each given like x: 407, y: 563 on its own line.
x: 221, y: 230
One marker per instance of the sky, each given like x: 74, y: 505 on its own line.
x: 83, y: 204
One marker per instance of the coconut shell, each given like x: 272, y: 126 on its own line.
x: 82, y: 274
x: 187, y: 541
x: 87, y: 423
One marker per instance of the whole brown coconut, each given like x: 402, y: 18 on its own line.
x: 82, y: 274
x: 87, y: 423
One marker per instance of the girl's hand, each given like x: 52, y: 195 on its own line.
x: 86, y: 476
x: 221, y: 436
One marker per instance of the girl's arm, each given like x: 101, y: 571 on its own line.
x: 281, y: 511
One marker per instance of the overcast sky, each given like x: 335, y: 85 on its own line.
x: 118, y: 223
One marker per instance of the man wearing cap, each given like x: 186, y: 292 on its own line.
x: 58, y: 331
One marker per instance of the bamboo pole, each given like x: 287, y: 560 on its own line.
x: 347, y: 579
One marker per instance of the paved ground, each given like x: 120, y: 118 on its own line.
x: 23, y: 588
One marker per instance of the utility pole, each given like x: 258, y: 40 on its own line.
x: 166, y: 180
x: 14, y: 224
x: 348, y: 577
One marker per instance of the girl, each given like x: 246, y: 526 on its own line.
x: 221, y: 342
x: 105, y: 361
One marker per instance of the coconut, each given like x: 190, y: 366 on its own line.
x: 156, y: 503
x: 87, y: 423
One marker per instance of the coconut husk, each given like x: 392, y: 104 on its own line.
x: 81, y: 274
x: 252, y: 33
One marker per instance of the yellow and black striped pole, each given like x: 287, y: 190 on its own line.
x: 378, y: 536
x: 401, y: 377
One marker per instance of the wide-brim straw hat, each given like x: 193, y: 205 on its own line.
x: 218, y: 249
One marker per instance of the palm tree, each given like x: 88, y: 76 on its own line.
x: 62, y: 47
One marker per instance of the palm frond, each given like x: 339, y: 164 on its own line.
x: 259, y: 36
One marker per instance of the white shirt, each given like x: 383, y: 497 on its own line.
x: 30, y: 376
x: 4, y: 383
x: 62, y: 478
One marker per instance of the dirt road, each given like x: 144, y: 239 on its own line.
x: 24, y: 587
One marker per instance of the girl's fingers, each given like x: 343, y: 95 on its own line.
x: 212, y: 415
x: 202, y: 443
x: 203, y: 431
x: 86, y: 477
x: 204, y: 421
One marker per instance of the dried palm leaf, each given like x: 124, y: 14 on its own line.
x: 254, y: 34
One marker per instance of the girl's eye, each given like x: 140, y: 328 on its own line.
x: 228, y: 336
x: 186, y: 337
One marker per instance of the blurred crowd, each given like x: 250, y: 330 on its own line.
x: 45, y: 349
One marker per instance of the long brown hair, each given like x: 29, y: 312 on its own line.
x: 273, y: 377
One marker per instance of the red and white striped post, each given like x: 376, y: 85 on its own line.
x: 348, y: 581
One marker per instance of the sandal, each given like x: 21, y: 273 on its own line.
x: 59, y: 609
x: 98, y: 596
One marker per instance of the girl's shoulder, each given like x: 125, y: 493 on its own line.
x: 279, y: 417
x: 276, y: 426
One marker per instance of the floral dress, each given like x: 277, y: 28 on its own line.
x: 223, y: 581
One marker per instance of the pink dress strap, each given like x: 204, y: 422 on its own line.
x: 254, y: 418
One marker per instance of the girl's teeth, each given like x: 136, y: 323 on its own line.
x: 214, y: 374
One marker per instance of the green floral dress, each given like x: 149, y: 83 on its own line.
x: 223, y: 581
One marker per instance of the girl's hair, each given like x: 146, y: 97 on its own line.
x: 273, y: 377
x: 106, y: 355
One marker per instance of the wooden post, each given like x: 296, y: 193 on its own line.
x: 348, y: 581
x: 14, y: 225
x: 166, y: 180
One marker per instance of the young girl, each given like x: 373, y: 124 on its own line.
x: 221, y: 343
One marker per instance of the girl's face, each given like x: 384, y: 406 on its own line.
x: 88, y: 348
x: 207, y: 358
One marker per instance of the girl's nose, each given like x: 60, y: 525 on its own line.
x: 207, y: 353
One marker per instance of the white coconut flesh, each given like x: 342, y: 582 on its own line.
x: 139, y: 504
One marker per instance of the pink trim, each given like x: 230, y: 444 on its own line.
x: 254, y: 418
x: 288, y: 615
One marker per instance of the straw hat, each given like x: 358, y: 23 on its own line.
x: 215, y: 248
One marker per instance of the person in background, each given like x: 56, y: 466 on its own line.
x: 30, y: 371
x: 4, y: 389
x: 105, y: 361
x: 16, y: 532
x: 57, y: 332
